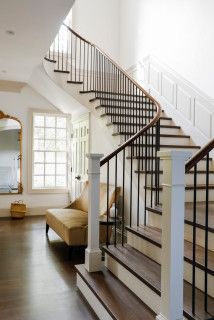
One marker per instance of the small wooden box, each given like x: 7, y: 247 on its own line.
x: 18, y: 209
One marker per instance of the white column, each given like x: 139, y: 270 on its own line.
x: 93, y: 253
x: 173, y: 207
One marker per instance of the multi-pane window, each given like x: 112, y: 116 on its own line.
x: 49, y: 151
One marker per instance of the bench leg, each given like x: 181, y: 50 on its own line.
x: 47, y: 228
x: 70, y: 250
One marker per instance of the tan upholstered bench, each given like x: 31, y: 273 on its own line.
x: 71, y: 223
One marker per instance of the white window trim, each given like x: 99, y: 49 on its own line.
x: 30, y: 154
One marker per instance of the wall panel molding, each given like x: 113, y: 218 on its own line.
x: 190, y: 108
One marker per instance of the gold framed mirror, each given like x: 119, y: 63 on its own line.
x: 10, y: 155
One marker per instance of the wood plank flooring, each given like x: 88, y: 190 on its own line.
x: 37, y: 280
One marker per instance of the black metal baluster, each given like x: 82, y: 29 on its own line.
x: 206, y: 235
x: 194, y: 238
x: 115, y: 212
x: 107, y: 233
x: 123, y: 200
x: 131, y: 175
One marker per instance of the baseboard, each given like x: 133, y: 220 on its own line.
x: 36, y: 211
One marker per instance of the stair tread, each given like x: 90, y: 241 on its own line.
x: 189, y: 172
x: 154, y: 236
x: 137, y: 157
x: 182, y: 136
x: 117, y: 114
x: 120, y: 107
x: 138, y: 100
x: 187, y: 187
x: 149, y: 272
x: 61, y: 71
x: 111, y: 93
x: 115, y: 296
x: 170, y: 146
x: 200, y: 213
x: 139, y: 124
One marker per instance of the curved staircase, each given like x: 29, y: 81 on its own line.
x: 129, y: 286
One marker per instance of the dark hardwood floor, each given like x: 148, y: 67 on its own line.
x: 37, y: 280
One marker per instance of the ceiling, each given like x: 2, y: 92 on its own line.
x: 35, y: 24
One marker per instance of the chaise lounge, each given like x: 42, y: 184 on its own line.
x: 71, y: 223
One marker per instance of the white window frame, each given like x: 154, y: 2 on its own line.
x: 53, y: 190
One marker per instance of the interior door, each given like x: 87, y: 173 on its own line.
x: 80, y: 147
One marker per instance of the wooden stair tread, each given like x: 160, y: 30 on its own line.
x: 170, y: 146
x: 117, y: 114
x: 136, y: 101
x: 116, y: 298
x: 189, y: 172
x: 139, y: 124
x: 61, y: 71
x: 149, y: 272
x: 187, y: 187
x: 153, y: 235
x: 110, y: 93
x: 119, y: 107
x: 180, y: 136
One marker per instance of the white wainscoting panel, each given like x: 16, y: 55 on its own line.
x: 189, y: 107
x: 203, y: 119
x: 184, y: 103
x: 167, y: 89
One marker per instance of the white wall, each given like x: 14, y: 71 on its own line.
x: 98, y: 22
x: 18, y: 105
x: 178, y: 32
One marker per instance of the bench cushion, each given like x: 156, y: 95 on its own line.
x: 69, y: 224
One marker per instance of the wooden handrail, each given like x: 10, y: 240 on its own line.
x: 117, y: 66
x: 199, y: 155
x: 144, y: 129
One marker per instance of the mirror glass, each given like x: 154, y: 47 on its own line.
x: 10, y: 155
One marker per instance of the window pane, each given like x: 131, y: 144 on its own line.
x: 39, y: 169
x: 38, y: 144
x: 50, y: 169
x: 50, y: 157
x: 61, y: 157
x: 49, y: 133
x: 61, y: 181
x: 39, y: 121
x: 38, y: 182
x: 61, y: 122
x: 39, y: 133
x: 50, y: 181
x: 61, y: 145
x: 49, y: 144
x: 50, y: 121
x: 61, y: 134
x: 38, y: 156
x: 61, y: 169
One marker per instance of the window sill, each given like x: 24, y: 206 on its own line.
x: 48, y: 191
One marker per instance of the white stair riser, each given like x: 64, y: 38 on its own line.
x: 154, y: 220
x: 154, y: 252
x: 96, y: 305
x: 147, y: 295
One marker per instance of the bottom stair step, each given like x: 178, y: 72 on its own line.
x: 117, y: 300
x: 149, y: 272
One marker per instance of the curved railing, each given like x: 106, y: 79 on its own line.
x: 134, y: 113
x: 201, y: 212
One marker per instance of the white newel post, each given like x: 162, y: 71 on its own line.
x: 93, y: 253
x: 173, y: 206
